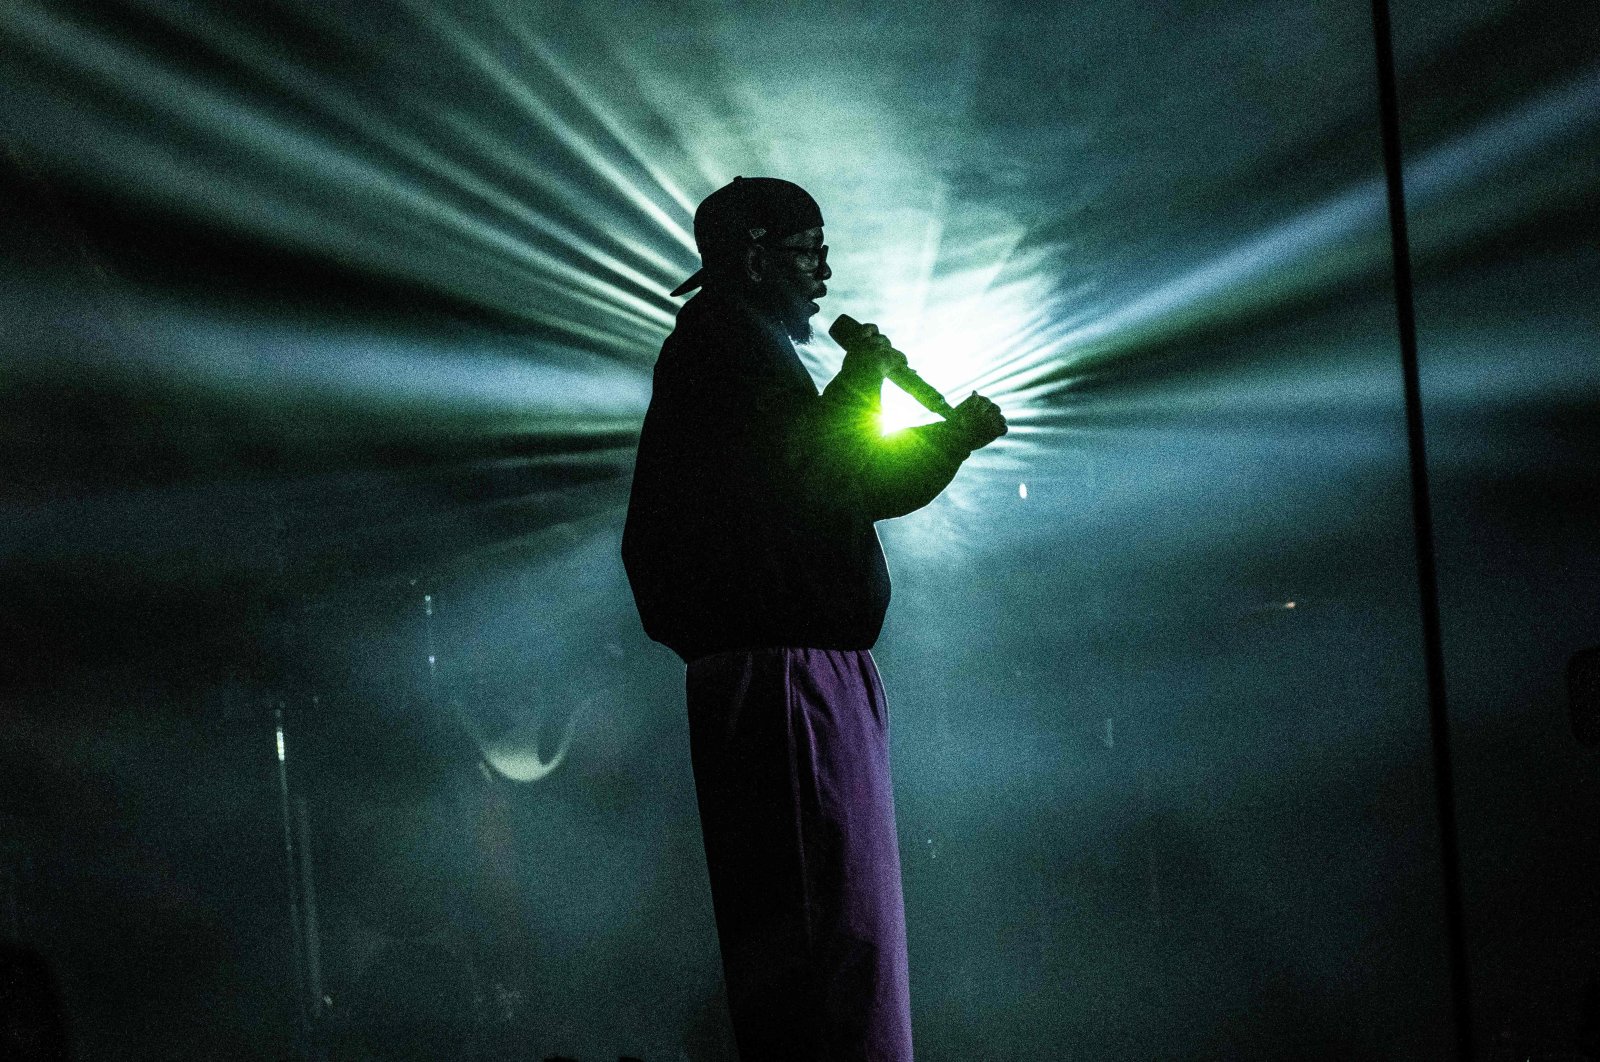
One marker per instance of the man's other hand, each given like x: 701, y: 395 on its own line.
x: 872, y: 355
x: 979, y: 421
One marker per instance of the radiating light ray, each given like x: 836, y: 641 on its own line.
x: 1342, y: 238
x: 926, y: 260
x: 459, y: 177
x: 257, y: 359
x: 606, y: 296
x: 683, y: 96
x: 190, y: 182
x: 381, y: 197
x: 562, y: 130
x: 590, y: 156
x: 975, y: 313
x: 1544, y: 121
x: 1035, y: 337
x: 612, y: 123
x: 382, y: 371
x: 565, y: 192
x: 971, y: 323
x: 967, y: 305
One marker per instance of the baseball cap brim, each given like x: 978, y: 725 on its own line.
x: 695, y: 280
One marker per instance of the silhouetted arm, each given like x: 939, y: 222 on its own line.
x: 891, y: 475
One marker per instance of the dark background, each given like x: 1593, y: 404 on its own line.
x: 325, y: 334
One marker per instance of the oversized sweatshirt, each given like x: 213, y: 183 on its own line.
x: 750, y: 522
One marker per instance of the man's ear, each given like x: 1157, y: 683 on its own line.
x: 754, y: 263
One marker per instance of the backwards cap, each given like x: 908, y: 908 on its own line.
x: 748, y: 210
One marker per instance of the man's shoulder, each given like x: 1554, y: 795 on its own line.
x: 710, y: 319
x: 719, y: 337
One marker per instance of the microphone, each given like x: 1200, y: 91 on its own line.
x: 848, y: 332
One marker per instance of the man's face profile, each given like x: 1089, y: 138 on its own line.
x: 788, y: 278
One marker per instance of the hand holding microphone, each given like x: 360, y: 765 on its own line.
x: 977, y: 419
x: 980, y: 420
x: 867, y: 350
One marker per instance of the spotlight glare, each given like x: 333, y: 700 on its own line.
x: 901, y: 411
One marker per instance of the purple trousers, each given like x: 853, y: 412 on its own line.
x: 791, y: 768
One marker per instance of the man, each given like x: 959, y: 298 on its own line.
x: 751, y: 551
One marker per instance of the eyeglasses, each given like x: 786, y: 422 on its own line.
x: 807, y: 258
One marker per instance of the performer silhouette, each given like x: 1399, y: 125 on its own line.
x: 751, y: 552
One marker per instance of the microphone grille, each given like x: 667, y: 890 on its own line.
x: 845, y: 330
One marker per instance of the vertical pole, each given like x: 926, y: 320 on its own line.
x: 1422, y: 522
x: 308, y: 898
x: 431, y: 650
x: 292, y: 880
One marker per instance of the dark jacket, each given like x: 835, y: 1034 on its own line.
x: 750, y: 522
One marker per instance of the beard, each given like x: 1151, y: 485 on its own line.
x: 787, y: 310
x: 797, y: 322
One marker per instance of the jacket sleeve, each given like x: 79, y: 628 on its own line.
x: 836, y: 451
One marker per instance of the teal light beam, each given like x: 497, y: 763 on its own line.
x: 1341, y: 239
